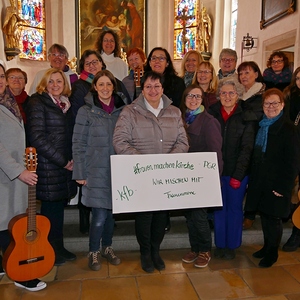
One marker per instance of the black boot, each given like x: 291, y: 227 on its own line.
x: 260, y: 253
x: 270, y: 258
x: 293, y: 242
x: 84, y: 219
x: 61, y: 253
x: 146, y: 262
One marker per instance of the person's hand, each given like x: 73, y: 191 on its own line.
x: 69, y: 165
x: 277, y: 194
x: 82, y: 182
x: 28, y: 177
x: 234, y: 183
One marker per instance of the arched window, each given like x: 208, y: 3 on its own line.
x: 33, y: 35
x: 185, y: 27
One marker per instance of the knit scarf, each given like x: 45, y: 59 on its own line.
x: 270, y: 76
x: 63, y: 103
x: 262, y: 134
x: 7, y: 99
x: 191, y: 115
x: 88, y: 77
x: 188, y: 77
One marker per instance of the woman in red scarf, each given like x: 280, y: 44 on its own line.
x: 16, y: 81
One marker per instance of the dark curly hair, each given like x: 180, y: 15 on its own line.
x: 99, y: 42
x: 279, y: 54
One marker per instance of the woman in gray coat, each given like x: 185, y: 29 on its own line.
x: 14, y: 178
x: 92, y: 148
x: 150, y: 125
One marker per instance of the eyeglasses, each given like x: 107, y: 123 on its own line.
x: 150, y: 87
x: 203, y: 72
x: 93, y: 62
x: 12, y: 77
x: 60, y: 55
x: 109, y: 41
x: 230, y: 94
x: 228, y: 60
x: 269, y: 104
x: 160, y: 58
x: 275, y: 62
x: 2, y: 76
x: 191, y: 96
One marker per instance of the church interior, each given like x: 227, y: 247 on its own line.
x: 236, y: 279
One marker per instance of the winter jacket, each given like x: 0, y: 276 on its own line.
x: 238, y: 139
x: 50, y: 132
x: 92, y: 148
x: 275, y: 170
x: 139, y: 131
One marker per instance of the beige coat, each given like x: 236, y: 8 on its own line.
x: 14, y: 193
x: 138, y: 131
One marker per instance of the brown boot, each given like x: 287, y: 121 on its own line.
x: 247, y: 223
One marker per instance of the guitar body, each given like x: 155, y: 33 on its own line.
x: 296, y: 215
x: 29, y: 254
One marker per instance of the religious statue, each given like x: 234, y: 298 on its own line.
x: 205, y: 26
x: 12, y: 27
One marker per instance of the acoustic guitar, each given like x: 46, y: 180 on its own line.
x: 138, y: 74
x: 29, y: 255
x: 296, y: 214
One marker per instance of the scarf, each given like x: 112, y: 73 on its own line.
x: 188, y: 77
x: 7, y: 99
x: 191, y: 115
x: 283, y: 77
x: 255, y: 89
x: 221, y: 75
x: 110, y: 107
x: 225, y: 114
x: 63, y: 103
x: 88, y: 77
x: 20, y: 100
x: 262, y: 134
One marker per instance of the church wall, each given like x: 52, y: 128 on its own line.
x: 159, y: 31
x: 281, y: 34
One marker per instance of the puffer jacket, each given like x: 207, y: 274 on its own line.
x: 238, y: 141
x: 92, y: 148
x: 50, y: 132
x: 139, y: 131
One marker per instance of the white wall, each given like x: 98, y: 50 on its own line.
x: 159, y: 30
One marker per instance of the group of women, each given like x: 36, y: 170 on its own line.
x: 164, y: 113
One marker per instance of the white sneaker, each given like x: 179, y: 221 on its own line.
x: 31, y: 285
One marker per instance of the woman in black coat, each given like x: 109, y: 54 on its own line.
x: 49, y: 129
x: 273, y: 172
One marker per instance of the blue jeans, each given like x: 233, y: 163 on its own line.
x: 102, y: 227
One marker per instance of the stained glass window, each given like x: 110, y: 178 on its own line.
x: 33, y: 36
x: 185, y: 27
x: 234, y: 12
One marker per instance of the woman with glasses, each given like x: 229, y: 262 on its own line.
x: 16, y: 81
x: 108, y: 45
x: 204, y: 133
x: 277, y: 74
x: 273, y: 172
x: 189, y: 64
x: 150, y: 125
x: 90, y: 64
x: 205, y: 76
x: 238, y: 138
x: 159, y: 61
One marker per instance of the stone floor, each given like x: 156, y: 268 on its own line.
x: 239, y: 278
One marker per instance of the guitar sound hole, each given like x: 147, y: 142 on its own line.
x: 31, y: 235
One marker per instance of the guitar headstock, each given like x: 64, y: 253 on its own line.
x: 30, y: 159
x: 138, y: 74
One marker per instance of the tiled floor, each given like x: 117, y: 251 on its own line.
x: 236, y: 279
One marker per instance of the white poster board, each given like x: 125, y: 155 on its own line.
x: 165, y: 181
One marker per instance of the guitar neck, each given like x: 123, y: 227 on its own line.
x: 31, y: 209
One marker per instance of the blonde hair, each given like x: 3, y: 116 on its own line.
x: 42, y: 86
x: 186, y: 56
x: 213, y: 85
